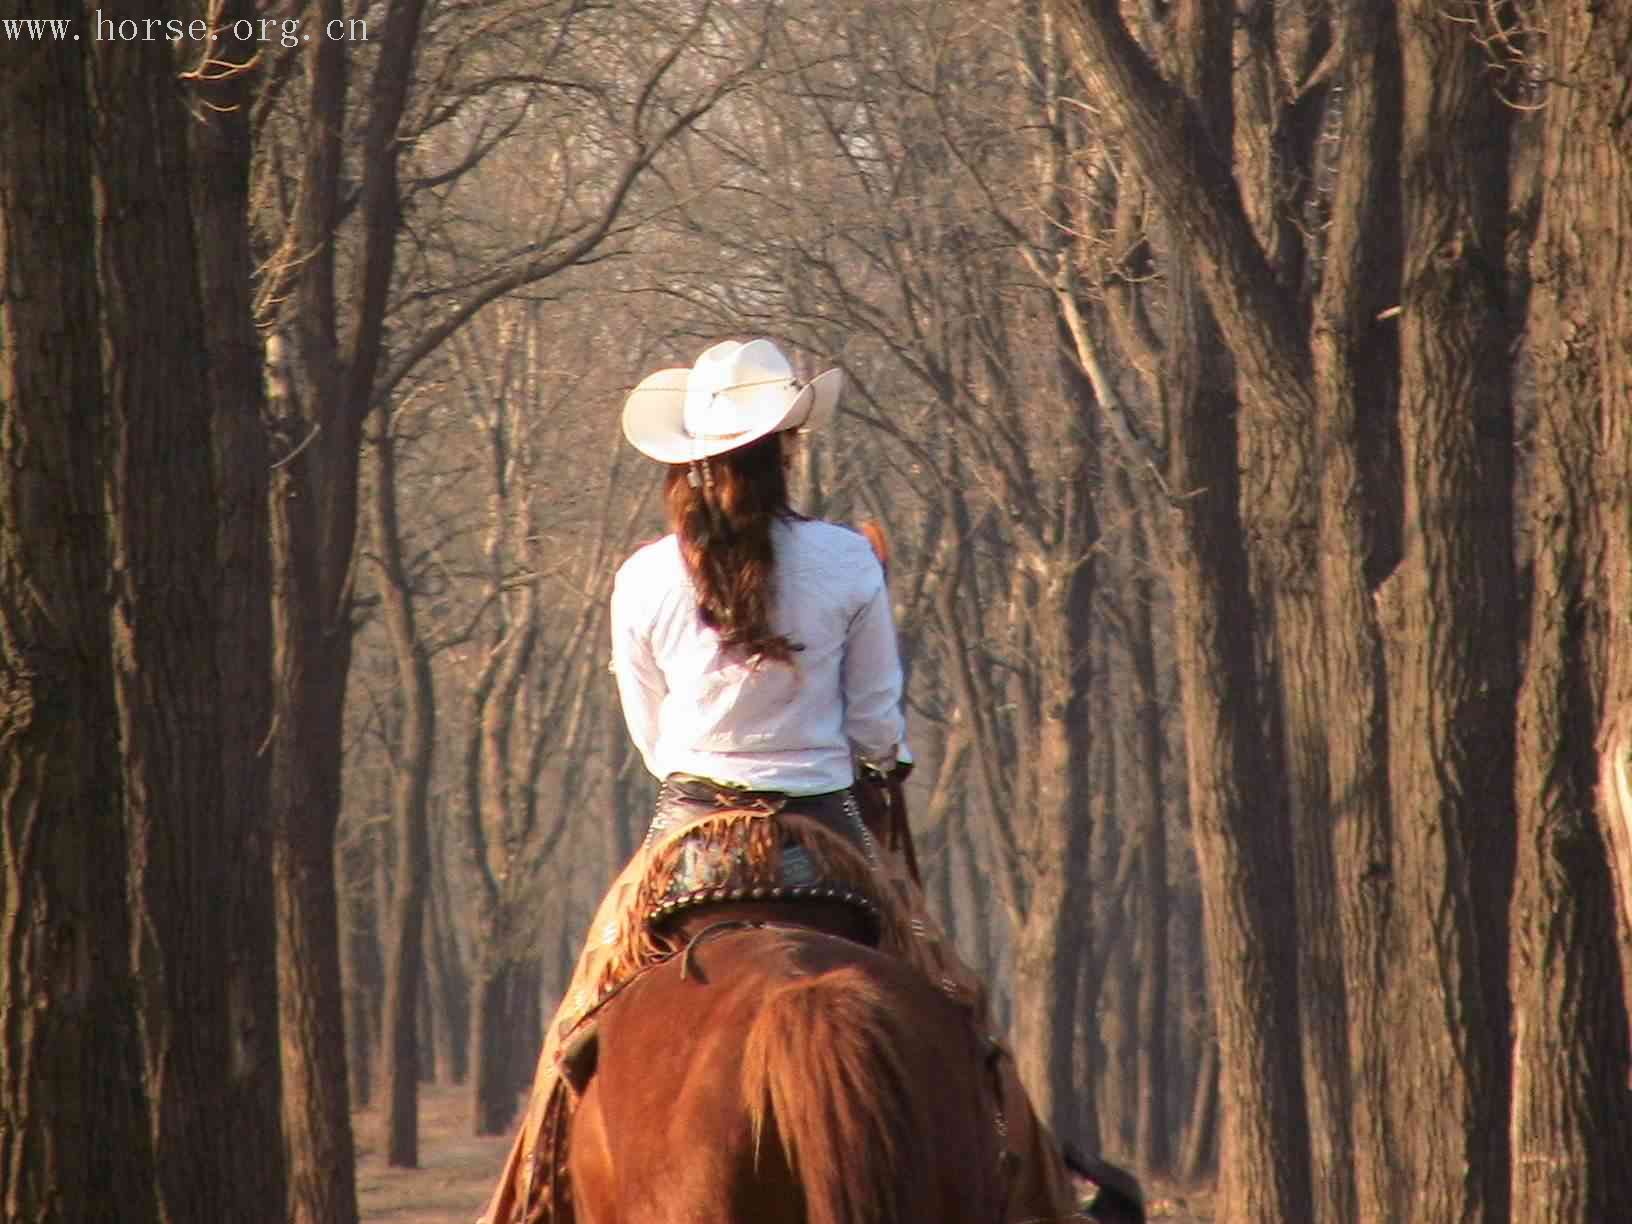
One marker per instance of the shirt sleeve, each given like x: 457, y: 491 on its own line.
x: 872, y: 680
x: 641, y: 687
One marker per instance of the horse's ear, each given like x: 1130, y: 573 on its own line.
x: 874, y: 531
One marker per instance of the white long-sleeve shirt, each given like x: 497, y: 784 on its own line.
x: 692, y: 708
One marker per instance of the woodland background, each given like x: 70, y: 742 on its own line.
x: 1246, y: 390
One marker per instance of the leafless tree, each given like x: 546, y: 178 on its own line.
x: 1366, y: 304
x: 360, y: 142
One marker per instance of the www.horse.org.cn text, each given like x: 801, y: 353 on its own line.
x: 281, y: 31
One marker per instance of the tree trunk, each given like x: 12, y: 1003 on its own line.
x: 1095, y: 1077
x: 1571, y: 1129
x: 494, y: 1087
x: 314, y: 521
x: 1615, y: 799
x: 361, y: 878
x: 975, y: 885
x: 411, y: 779
x: 1124, y: 972
x: 166, y: 616
x: 1356, y: 358
x: 490, y: 787
x: 1240, y: 841
x: 525, y: 1026
x: 75, y: 1138
x: 425, y: 1027
x: 1178, y: 135
x: 1056, y: 929
x: 1273, y: 138
x: 449, y: 981
x: 1105, y: 1093
x: 312, y: 656
x: 1049, y: 943
x: 220, y: 134
x: 1448, y: 632
x: 1146, y: 796
x: 1198, y: 1151
x: 313, y: 499
x: 628, y: 820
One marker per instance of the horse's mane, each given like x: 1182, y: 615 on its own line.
x: 823, y: 1061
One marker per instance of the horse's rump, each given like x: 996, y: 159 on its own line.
x: 787, y: 1075
x: 659, y: 1060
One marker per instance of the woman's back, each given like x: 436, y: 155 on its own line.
x: 696, y: 707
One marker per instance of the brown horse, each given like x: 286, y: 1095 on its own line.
x: 779, y: 1074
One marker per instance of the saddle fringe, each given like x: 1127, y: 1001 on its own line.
x: 756, y: 840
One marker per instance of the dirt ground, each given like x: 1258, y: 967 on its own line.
x: 458, y: 1171
x: 1179, y: 1206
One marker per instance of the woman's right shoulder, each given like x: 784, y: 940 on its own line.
x: 830, y: 545
x: 828, y: 535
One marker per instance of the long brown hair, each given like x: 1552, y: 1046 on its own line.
x: 724, y: 523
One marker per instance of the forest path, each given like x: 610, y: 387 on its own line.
x: 457, y: 1170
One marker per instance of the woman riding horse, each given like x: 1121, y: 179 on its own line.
x: 755, y: 656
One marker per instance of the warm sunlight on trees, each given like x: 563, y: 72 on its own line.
x: 1245, y: 390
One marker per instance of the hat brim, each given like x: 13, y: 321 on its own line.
x: 654, y: 414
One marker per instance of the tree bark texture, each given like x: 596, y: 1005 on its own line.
x: 1154, y: 1141
x: 1571, y: 1128
x: 1055, y: 933
x: 313, y: 518
x: 361, y: 884
x: 1241, y: 840
x: 1411, y: 417
x: 494, y: 1086
x: 410, y: 787
x: 491, y: 786
x: 165, y: 615
x: 1198, y: 1147
x: 1049, y: 943
x: 450, y: 982
x: 314, y: 522
x: 1239, y: 835
x: 1448, y: 632
x: 1355, y: 351
x: 220, y: 136
x: 311, y: 658
x: 75, y: 1138
x: 1279, y: 465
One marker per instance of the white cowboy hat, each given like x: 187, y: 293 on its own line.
x: 736, y: 393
